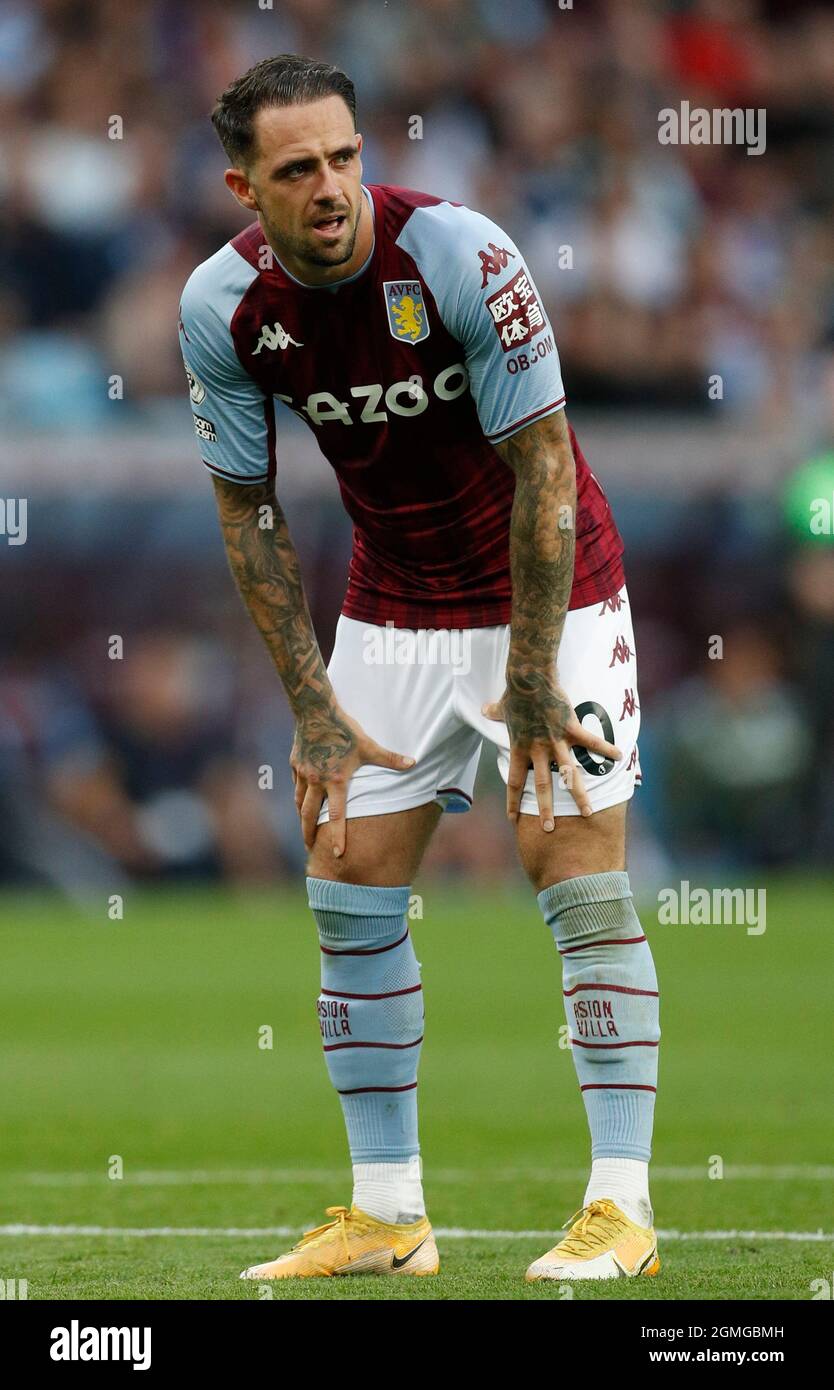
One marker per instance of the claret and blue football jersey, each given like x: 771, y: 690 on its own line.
x: 408, y: 373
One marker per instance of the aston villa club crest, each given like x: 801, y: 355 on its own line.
x: 406, y: 308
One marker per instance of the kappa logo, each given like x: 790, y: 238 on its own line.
x: 496, y: 262
x: 405, y: 305
x: 621, y: 652
x: 273, y: 338
x: 630, y: 705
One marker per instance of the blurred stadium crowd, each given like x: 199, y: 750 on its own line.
x: 687, y: 262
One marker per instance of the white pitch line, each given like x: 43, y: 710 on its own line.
x: 160, y: 1177
x: 444, y: 1232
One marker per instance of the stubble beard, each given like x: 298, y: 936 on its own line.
x: 303, y: 252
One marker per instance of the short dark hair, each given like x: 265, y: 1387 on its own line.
x: 285, y: 80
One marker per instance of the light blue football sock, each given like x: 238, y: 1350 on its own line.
x: 611, y: 1004
x: 371, y: 1015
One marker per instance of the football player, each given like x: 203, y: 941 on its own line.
x: 407, y: 332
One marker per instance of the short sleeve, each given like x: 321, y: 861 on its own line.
x: 488, y: 301
x: 233, y: 420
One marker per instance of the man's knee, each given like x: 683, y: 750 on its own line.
x: 380, y: 851
x: 356, y: 865
x: 578, y: 845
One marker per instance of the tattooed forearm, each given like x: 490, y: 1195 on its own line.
x: 265, y: 566
x: 542, y: 539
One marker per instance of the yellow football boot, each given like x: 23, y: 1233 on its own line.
x: 602, y: 1243
x: 355, y: 1243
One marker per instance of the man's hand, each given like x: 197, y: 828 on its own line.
x: 543, y: 729
x: 328, y: 748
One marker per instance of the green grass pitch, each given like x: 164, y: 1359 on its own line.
x: 140, y: 1038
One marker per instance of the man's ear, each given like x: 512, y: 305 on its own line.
x: 238, y: 183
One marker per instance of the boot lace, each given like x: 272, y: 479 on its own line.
x: 591, y: 1227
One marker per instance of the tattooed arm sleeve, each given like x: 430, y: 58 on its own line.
x: 265, y: 566
x: 542, y: 537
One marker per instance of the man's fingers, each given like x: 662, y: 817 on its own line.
x: 578, y: 734
x: 336, y: 815
x: 494, y: 711
x: 543, y: 780
x: 383, y: 757
x: 310, y: 813
x: 572, y: 779
x: 516, y: 778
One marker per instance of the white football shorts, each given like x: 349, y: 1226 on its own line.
x: 420, y: 692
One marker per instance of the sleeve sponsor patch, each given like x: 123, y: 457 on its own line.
x: 517, y: 315
x: 205, y: 429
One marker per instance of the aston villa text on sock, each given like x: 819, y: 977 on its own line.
x: 334, y: 1018
x: 594, y: 1019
